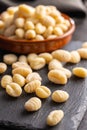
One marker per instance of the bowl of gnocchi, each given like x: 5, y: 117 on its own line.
x: 26, y: 29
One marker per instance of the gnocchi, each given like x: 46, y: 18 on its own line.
x: 20, y: 64
x: 37, y: 63
x: 31, y: 86
x: 57, y: 76
x: 19, y: 79
x: 60, y: 96
x: 55, y: 117
x: 33, y: 76
x: 3, y: 67
x: 80, y: 72
x: 75, y: 57
x: 31, y: 56
x: 13, y: 89
x: 22, y: 58
x: 43, y: 92
x: 33, y: 104
x: 24, y: 71
x: 33, y: 23
x: 47, y: 56
x: 61, y: 55
x: 54, y: 64
x: 5, y: 80
x: 83, y: 53
x: 9, y: 58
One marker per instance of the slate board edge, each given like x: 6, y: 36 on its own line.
x: 75, y: 119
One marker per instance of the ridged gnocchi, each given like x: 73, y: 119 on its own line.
x: 55, y: 117
x: 83, y: 53
x: 3, y: 67
x: 61, y: 55
x: 57, y: 76
x: 24, y: 71
x: 5, y: 80
x: 80, y: 72
x: 54, y: 64
x: 19, y: 79
x: 33, y: 104
x: 60, y: 96
x: 20, y: 64
x: 47, y: 56
x: 37, y: 63
x: 33, y: 23
x: 31, y: 86
x: 75, y: 57
x: 13, y: 89
x: 67, y: 72
x: 33, y: 76
x: 43, y: 92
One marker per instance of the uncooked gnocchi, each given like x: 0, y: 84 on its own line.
x: 61, y: 55
x: 75, y: 57
x: 33, y: 23
x: 80, y: 72
x: 20, y: 64
x: 22, y: 58
x: 47, y: 56
x: 33, y: 76
x: 9, y: 58
x: 6, y: 79
x: 54, y: 64
x: 83, y: 53
x: 57, y: 76
x: 24, y: 71
x: 13, y: 89
x: 60, y: 96
x: 33, y: 104
x: 37, y: 63
x: 67, y: 72
x: 3, y: 67
x: 43, y: 92
x: 31, y: 86
x: 55, y: 117
x: 19, y: 79
x: 31, y: 56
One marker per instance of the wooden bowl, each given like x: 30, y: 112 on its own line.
x: 48, y: 45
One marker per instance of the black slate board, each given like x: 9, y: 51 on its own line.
x: 13, y: 114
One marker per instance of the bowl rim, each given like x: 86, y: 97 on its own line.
x: 23, y: 41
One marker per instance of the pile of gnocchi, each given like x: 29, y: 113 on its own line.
x: 33, y: 23
x: 24, y: 78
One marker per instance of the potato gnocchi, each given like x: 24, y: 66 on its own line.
x: 13, y: 89
x: 33, y: 104
x: 9, y: 58
x: 24, y: 71
x: 32, y: 86
x: 33, y: 23
x: 61, y: 55
x: 43, y: 92
x: 3, y: 67
x: 5, y: 80
x: 80, y: 72
x: 55, y: 117
x: 57, y: 76
x: 60, y: 96
x: 33, y: 76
